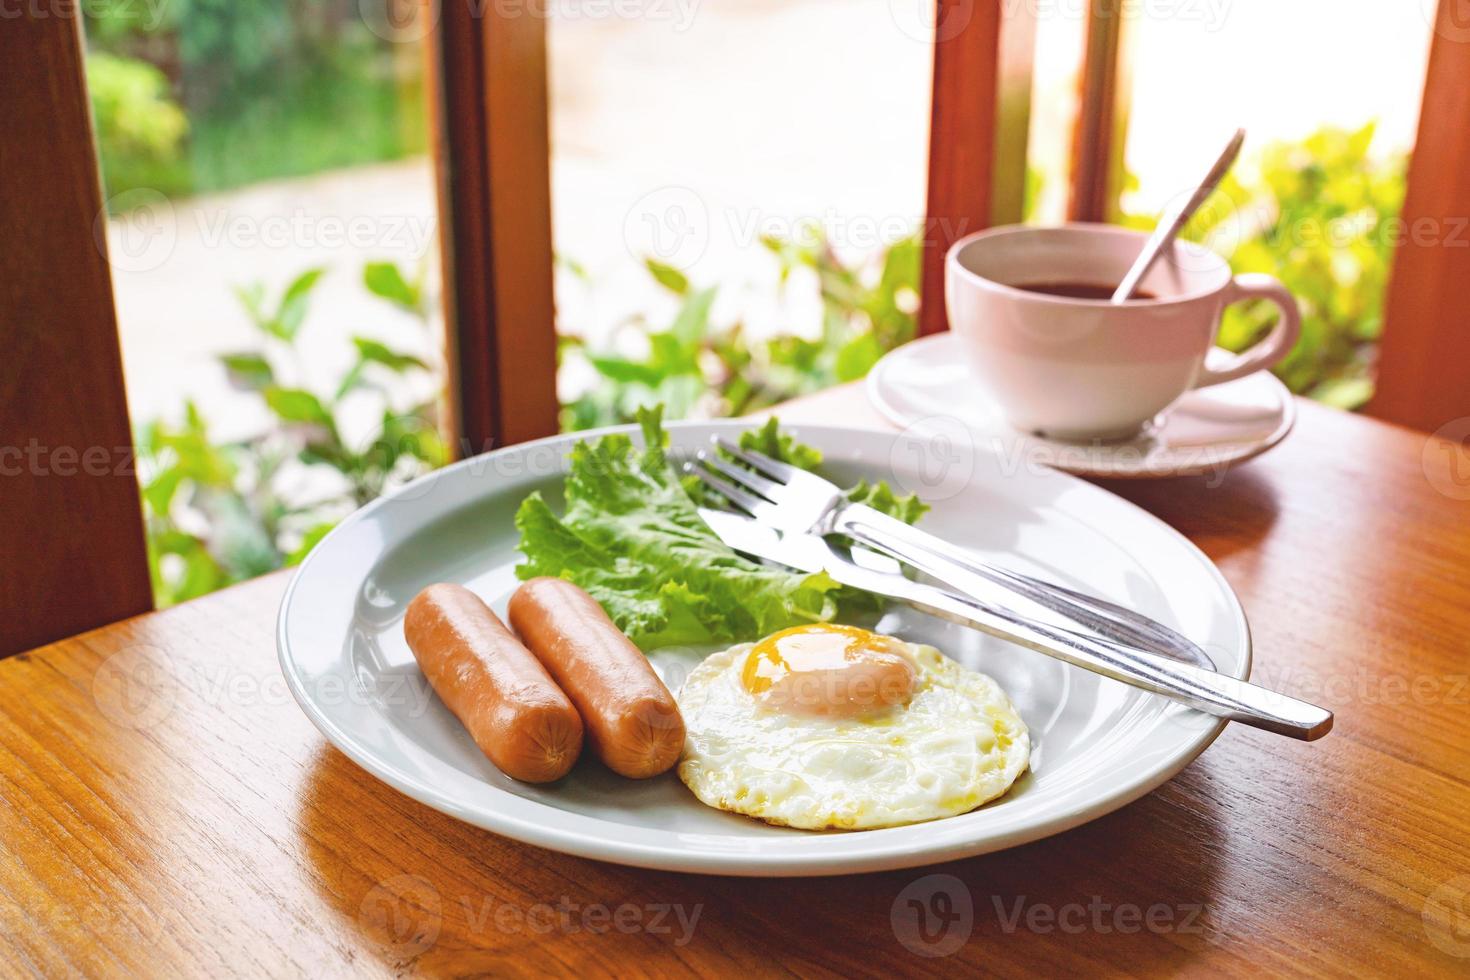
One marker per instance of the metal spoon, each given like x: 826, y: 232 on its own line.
x: 1164, y: 234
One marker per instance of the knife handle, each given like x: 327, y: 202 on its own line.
x: 1207, y: 690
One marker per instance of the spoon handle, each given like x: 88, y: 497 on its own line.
x: 1164, y: 234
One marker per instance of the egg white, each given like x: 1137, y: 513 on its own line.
x: 958, y: 744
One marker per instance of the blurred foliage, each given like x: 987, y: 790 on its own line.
x: 1323, y: 217
x: 696, y: 367
x: 140, y: 128
x: 221, y: 512
x: 270, y: 88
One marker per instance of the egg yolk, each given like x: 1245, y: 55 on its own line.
x: 828, y: 671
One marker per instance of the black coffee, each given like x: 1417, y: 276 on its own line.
x: 1078, y: 290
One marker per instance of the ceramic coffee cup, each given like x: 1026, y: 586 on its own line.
x: 1085, y: 369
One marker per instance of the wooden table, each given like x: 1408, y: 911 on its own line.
x: 169, y: 810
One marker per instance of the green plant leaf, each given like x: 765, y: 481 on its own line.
x: 199, y: 575
x: 1345, y: 393
x: 248, y: 371
x: 159, y: 493
x: 631, y: 536
x: 857, y: 357
x: 414, y: 435
x: 298, y: 405
x: 309, y: 540
x: 252, y: 298
x: 576, y: 268
x: 332, y: 454
x: 692, y: 323
x: 671, y: 355
x: 294, y: 301
x: 351, y: 380
x: 377, y: 353
x: 667, y: 276
x: 386, y: 280
x: 238, y: 538
x: 623, y: 371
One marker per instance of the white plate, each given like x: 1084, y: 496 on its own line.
x: 926, y: 385
x: 1097, y: 744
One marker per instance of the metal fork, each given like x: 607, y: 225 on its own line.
x: 809, y: 503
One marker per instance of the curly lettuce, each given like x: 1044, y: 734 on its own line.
x: 632, y: 537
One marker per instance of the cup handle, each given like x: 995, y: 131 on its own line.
x: 1274, y: 346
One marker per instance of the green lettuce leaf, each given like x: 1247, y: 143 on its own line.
x: 631, y: 537
x: 782, y: 446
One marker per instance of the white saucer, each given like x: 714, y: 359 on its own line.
x: 926, y: 386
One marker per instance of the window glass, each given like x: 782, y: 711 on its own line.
x: 271, y: 227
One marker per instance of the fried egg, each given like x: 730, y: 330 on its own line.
x: 835, y: 727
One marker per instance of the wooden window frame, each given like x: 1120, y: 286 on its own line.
x: 1424, y: 354
x: 492, y: 160
x: 1099, y: 136
x: 980, y: 118
x: 72, y: 551
x: 74, y: 554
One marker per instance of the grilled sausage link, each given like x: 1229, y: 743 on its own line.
x: 500, y: 692
x: 633, y: 722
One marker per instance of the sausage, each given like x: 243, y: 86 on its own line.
x: 633, y: 723
x: 500, y: 692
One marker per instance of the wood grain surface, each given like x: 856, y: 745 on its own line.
x: 165, y: 808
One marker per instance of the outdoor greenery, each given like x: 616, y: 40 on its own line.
x: 202, y: 95
x: 221, y: 512
x: 693, y: 366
